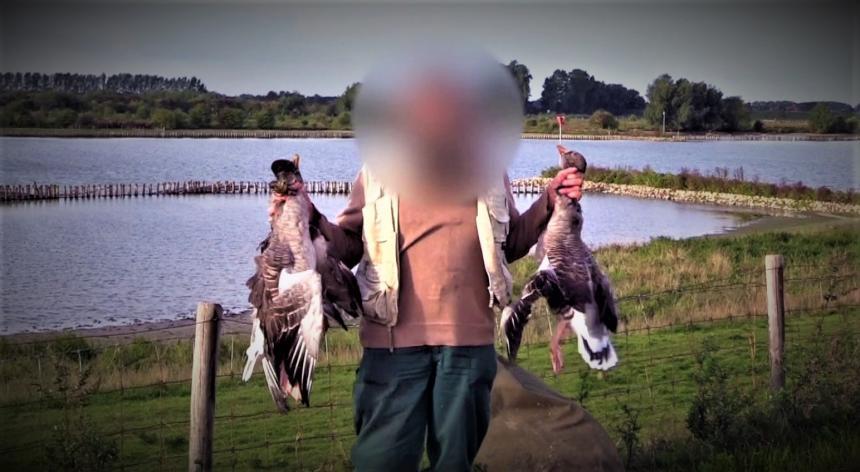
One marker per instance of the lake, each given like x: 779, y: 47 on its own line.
x: 149, y: 160
x: 111, y: 262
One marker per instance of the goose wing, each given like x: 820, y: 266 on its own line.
x: 288, y: 325
x: 593, y: 324
x: 515, y: 316
x: 292, y: 326
x: 341, y: 295
x: 604, y: 298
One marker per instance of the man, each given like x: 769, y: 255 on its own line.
x: 429, y: 257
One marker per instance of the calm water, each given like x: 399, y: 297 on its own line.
x: 110, y: 262
x: 85, y: 161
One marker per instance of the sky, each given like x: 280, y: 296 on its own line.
x: 760, y: 49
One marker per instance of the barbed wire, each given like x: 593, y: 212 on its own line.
x: 638, y: 359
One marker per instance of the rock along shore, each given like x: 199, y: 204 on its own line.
x: 714, y: 198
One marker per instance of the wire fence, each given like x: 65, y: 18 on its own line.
x: 128, y: 399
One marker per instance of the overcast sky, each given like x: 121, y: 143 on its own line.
x: 761, y: 50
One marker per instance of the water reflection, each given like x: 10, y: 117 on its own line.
x: 108, y: 262
x: 88, y: 161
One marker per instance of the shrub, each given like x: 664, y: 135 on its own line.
x: 165, y: 119
x: 716, y: 415
x: 604, y: 120
x: 265, y: 119
x: 75, y: 445
x: 628, y: 431
x: 822, y: 120
x: 758, y: 126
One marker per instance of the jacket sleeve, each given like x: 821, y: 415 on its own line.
x: 525, y: 229
x: 344, y: 235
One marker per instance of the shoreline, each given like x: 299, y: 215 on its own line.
x: 160, y: 330
x: 237, y: 322
x: 11, y: 194
x: 349, y: 134
x: 731, y: 200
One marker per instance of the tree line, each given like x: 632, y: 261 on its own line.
x: 65, y: 100
x: 693, y: 106
x: 86, y: 83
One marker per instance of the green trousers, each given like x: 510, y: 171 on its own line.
x: 437, y: 394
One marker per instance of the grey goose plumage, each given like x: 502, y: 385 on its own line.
x: 297, y: 291
x: 574, y: 286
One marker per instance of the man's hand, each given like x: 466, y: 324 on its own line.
x: 567, y: 182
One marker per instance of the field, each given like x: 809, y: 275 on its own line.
x: 691, y: 391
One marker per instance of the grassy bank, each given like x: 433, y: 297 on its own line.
x: 127, y: 403
x: 721, y: 180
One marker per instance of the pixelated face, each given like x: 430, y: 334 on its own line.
x: 441, y: 124
x: 288, y: 179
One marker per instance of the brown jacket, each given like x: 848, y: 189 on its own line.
x: 443, y: 284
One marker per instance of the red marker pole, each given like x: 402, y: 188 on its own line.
x: 560, y: 120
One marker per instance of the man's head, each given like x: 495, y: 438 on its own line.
x: 445, y: 124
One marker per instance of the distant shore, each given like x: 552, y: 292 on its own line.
x: 345, y: 134
x: 160, y: 330
x: 526, y: 186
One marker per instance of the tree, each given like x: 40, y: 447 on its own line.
x: 660, y: 100
x: 199, y: 116
x: 820, y: 119
x: 164, y: 119
x: 231, y: 118
x: 347, y: 99
x: 823, y: 120
x: 85, y: 83
x: 735, y: 114
x: 523, y: 78
x: 693, y: 106
x: 265, y: 119
x: 293, y: 103
x: 554, y: 90
x: 62, y: 118
x: 579, y: 92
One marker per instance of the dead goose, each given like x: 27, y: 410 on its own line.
x: 297, y: 290
x: 573, y: 285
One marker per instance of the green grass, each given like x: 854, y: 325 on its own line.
x: 720, y: 180
x: 135, y: 396
x: 654, y: 377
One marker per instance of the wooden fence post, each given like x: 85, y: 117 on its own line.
x: 203, y: 376
x: 774, y: 267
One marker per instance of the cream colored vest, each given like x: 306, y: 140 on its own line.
x: 378, y: 272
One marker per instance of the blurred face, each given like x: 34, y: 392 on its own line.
x: 440, y: 131
x: 439, y: 127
